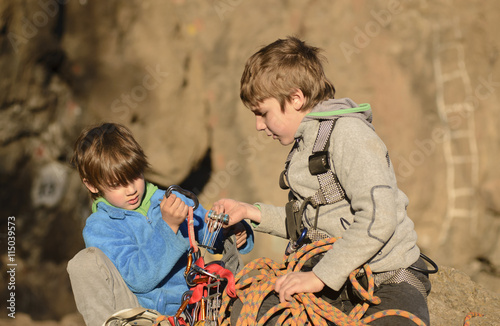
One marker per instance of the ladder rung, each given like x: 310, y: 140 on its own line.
x: 460, y: 213
x: 461, y: 159
x: 458, y: 107
x: 449, y: 45
x: 455, y: 134
x: 451, y: 75
x: 462, y: 192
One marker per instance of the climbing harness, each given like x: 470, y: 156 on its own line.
x: 330, y: 190
x: 426, y: 271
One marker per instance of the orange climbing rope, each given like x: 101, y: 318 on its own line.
x: 469, y: 316
x: 305, y: 307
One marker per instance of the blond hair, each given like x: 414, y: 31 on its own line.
x: 279, y: 69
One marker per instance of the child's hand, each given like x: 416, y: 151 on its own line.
x: 241, y: 234
x: 236, y: 210
x: 173, y: 211
x: 297, y: 282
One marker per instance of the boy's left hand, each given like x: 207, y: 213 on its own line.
x: 297, y: 282
x: 239, y: 231
x: 241, y: 235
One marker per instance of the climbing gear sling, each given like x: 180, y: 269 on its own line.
x: 330, y: 190
x: 207, y: 282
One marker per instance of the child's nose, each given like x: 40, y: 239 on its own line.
x: 131, y: 189
x: 259, y: 124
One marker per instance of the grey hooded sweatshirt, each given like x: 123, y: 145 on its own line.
x: 372, y: 220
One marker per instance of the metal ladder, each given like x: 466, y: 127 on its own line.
x: 457, y: 115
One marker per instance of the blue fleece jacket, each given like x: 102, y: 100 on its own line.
x: 148, y: 254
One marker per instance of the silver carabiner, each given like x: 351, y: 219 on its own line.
x: 185, y: 192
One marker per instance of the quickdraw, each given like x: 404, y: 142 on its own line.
x: 207, y: 282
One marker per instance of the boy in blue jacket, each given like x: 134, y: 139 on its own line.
x: 136, y: 238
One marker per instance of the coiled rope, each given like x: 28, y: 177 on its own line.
x: 306, y: 307
x: 469, y: 316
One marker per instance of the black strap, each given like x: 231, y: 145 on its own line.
x: 330, y: 190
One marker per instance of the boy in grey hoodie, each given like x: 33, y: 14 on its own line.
x: 285, y: 87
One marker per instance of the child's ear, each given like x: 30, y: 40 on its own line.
x: 90, y: 187
x: 297, y: 99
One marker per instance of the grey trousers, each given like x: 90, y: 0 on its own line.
x: 98, y: 287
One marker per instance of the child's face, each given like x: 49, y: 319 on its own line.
x: 279, y: 124
x: 126, y: 197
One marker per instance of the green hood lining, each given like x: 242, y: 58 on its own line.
x: 362, y: 107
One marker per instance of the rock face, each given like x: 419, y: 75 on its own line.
x: 454, y: 295
x: 170, y: 71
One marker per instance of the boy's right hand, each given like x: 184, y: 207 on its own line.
x: 173, y: 211
x: 236, y: 210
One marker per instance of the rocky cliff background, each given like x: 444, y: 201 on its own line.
x: 170, y: 71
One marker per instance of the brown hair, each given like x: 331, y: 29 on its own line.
x: 280, y: 68
x: 108, y: 155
